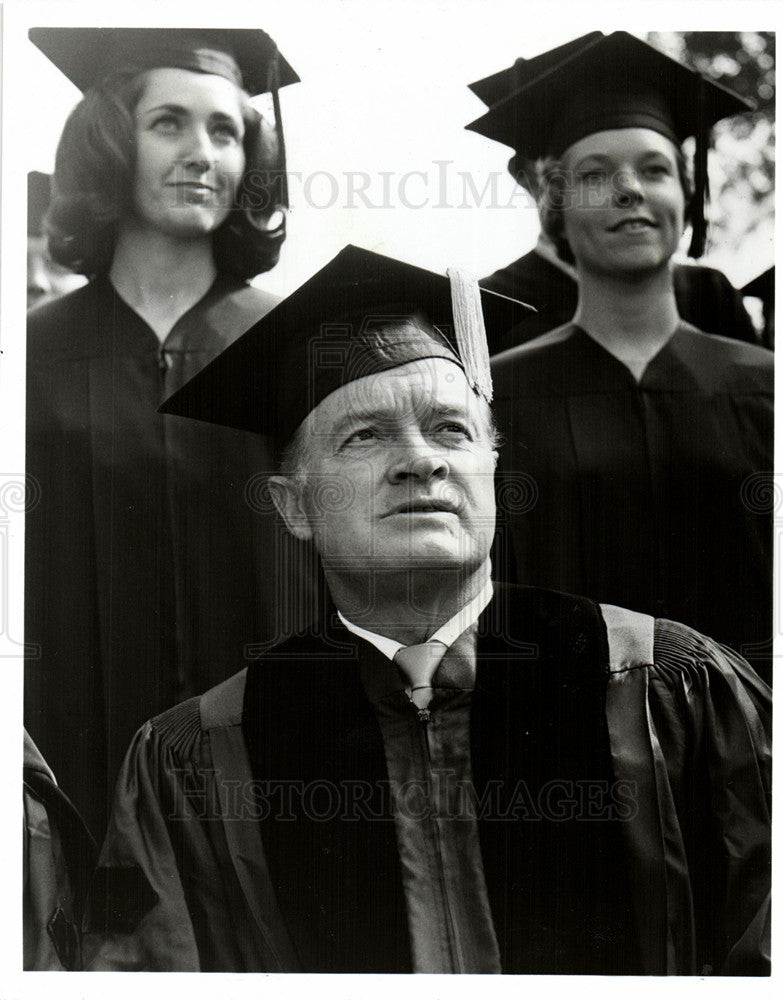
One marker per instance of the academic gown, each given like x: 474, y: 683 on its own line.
x: 705, y: 297
x: 621, y: 774
x: 654, y: 496
x: 152, y: 556
x: 59, y: 857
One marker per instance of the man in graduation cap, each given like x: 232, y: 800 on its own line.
x: 546, y: 276
x: 443, y: 775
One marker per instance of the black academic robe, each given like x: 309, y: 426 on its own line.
x: 654, y: 496
x: 59, y: 857
x: 620, y: 766
x: 705, y: 298
x: 152, y: 555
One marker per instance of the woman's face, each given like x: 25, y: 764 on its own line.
x: 624, y: 208
x: 189, y: 153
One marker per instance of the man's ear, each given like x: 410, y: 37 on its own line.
x: 286, y: 493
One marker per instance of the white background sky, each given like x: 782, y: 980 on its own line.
x: 383, y: 92
x: 383, y: 89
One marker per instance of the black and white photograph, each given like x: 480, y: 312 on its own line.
x: 389, y: 524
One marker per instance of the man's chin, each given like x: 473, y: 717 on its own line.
x: 433, y: 558
x: 437, y: 552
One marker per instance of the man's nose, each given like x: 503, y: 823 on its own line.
x: 418, y: 461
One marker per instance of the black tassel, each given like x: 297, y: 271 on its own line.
x: 701, y: 182
x: 273, y: 81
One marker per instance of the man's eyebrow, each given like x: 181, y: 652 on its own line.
x: 380, y: 414
x: 359, y: 416
x: 452, y: 410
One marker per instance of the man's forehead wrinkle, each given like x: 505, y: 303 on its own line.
x: 403, y: 406
x: 421, y: 389
x: 402, y: 409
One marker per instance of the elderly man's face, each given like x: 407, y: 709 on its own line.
x: 398, y: 473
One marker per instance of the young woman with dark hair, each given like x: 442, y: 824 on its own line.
x: 96, y: 160
x: 150, y: 567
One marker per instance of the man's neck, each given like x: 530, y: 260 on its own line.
x: 631, y: 317
x: 406, y: 606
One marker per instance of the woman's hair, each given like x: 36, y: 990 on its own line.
x: 92, y: 187
x: 547, y: 180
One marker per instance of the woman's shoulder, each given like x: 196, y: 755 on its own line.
x: 727, y: 349
x: 246, y: 296
x: 68, y: 326
x: 231, y: 307
x: 47, y: 319
x: 539, y: 347
x: 533, y: 362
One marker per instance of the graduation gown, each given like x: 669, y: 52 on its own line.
x: 621, y: 764
x: 654, y: 496
x: 59, y: 856
x: 705, y: 297
x: 151, y: 554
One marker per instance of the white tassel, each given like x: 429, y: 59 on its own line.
x: 470, y: 331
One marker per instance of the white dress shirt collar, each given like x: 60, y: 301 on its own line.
x: 446, y: 634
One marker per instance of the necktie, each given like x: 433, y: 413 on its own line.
x: 419, y: 663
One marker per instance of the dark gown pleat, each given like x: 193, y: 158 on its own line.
x: 154, y: 561
x: 550, y: 827
x: 652, y: 496
x: 312, y: 737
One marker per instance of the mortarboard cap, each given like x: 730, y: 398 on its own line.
x: 762, y: 286
x: 39, y: 193
x: 248, y: 56
x: 609, y: 82
x: 496, y: 87
x: 350, y: 320
x: 613, y: 81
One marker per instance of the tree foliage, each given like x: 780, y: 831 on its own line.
x: 742, y: 168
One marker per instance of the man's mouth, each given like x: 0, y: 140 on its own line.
x: 425, y: 506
